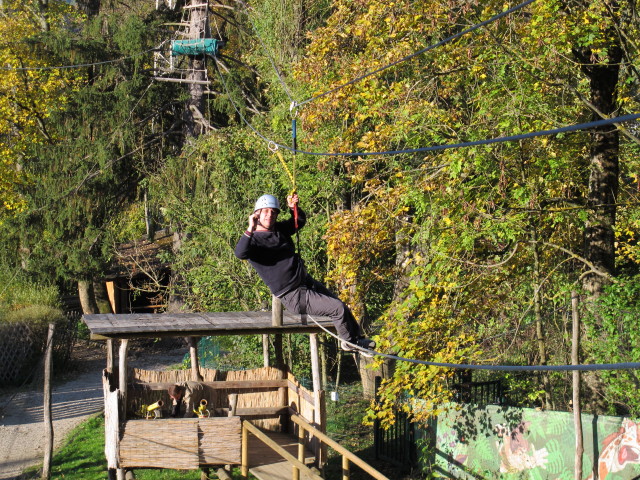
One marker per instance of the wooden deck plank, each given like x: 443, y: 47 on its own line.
x: 155, y: 325
x: 265, y: 464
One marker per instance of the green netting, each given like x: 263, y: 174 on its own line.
x: 197, y: 46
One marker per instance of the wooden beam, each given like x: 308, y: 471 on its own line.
x: 189, y: 324
x: 210, y: 333
x: 226, y: 385
x: 253, y: 411
x: 181, y: 80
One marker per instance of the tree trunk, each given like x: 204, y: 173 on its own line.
x: 102, y: 297
x: 537, y: 307
x: 369, y: 374
x: 198, y: 28
x: 575, y: 360
x: 603, y: 166
x: 175, y: 303
x: 90, y: 7
x: 87, y: 297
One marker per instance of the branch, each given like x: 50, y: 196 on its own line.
x: 493, y: 265
x: 593, y: 269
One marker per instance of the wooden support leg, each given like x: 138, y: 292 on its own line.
x: 48, y: 418
x: 122, y: 385
x: 244, y: 468
x: 316, y: 445
x: 277, y: 312
x: 195, y: 364
x: 110, y: 356
x: 345, y: 468
x: 265, y: 350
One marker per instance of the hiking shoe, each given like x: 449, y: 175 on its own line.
x: 363, y: 343
x: 366, y: 343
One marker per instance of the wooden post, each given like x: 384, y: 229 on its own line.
x: 123, y: 365
x: 317, y: 387
x: 233, y: 404
x: 575, y: 360
x: 276, y: 311
x: 315, y: 362
x: 283, y: 400
x: 111, y: 422
x: 265, y: 350
x: 195, y: 364
x: 244, y: 455
x: 122, y: 386
x: 345, y: 468
x: 110, y: 356
x: 276, y: 321
x: 48, y: 421
x: 296, y: 471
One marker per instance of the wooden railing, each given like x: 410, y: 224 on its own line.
x: 298, y: 463
x: 347, y: 456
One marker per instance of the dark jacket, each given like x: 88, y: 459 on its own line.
x: 273, y: 255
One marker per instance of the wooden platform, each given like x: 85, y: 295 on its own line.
x: 157, y: 325
x: 266, y: 464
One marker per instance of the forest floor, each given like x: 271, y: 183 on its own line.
x: 76, y: 396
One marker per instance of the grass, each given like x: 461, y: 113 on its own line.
x: 82, y: 456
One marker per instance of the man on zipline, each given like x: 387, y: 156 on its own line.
x: 269, y: 247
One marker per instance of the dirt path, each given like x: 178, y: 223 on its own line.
x: 76, y: 396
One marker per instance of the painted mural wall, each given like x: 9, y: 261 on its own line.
x: 507, y: 443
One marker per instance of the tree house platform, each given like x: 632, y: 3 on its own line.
x: 158, y: 325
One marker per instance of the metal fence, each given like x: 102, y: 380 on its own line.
x: 398, y: 444
x: 22, y: 345
x: 480, y: 393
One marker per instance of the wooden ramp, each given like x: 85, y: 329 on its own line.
x: 266, y: 464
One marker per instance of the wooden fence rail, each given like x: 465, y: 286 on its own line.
x: 347, y: 456
x: 248, y: 427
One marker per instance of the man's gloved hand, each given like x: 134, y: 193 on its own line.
x: 292, y: 200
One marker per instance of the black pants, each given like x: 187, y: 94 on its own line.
x: 322, y: 302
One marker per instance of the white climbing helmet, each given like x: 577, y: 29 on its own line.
x: 267, y: 201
